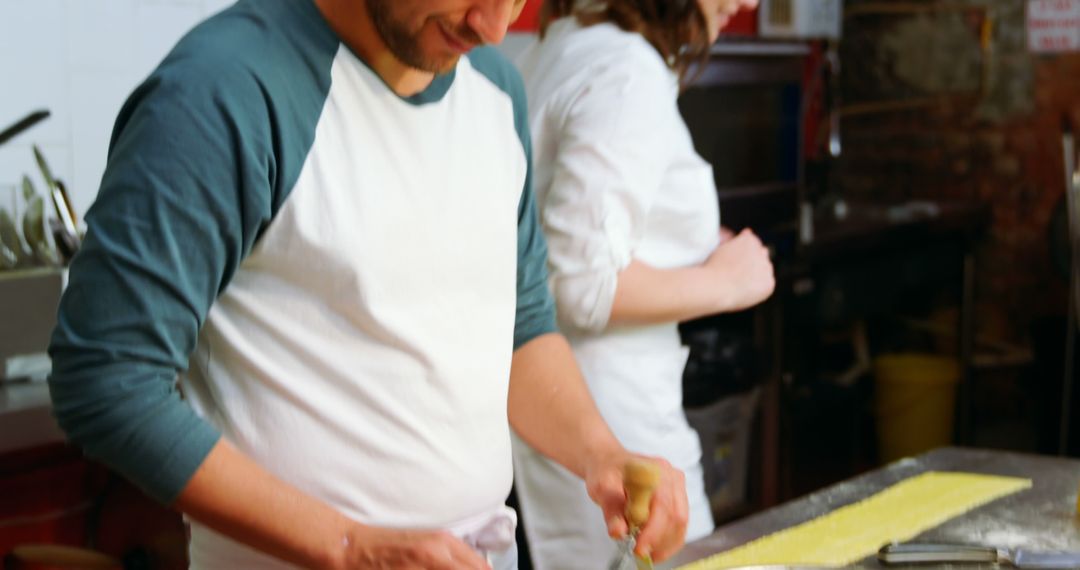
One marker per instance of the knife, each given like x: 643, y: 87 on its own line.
x: 640, y: 478
x: 931, y: 553
x: 64, y: 208
x: 56, y: 190
x: 23, y: 124
x: 68, y: 239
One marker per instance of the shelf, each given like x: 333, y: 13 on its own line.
x: 760, y: 48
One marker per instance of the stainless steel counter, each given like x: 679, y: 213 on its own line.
x: 1043, y: 517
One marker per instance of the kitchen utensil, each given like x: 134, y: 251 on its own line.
x: 64, y: 231
x: 23, y: 124
x: 66, y: 235
x: 34, y: 231
x: 931, y: 553
x: 65, y: 244
x: 46, y: 172
x: 13, y: 242
x: 640, y: 479
x: 8, y: 259
x: 64, y: 208
x: 65, y: 198
x: 61, y: 200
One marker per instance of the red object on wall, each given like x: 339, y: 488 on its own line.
x: 743, y: 24
x: 529, y: 20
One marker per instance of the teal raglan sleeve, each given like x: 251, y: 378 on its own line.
x: 535, y: 305
x: 187, y: 188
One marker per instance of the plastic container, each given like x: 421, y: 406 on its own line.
x: 724, y: 428
x: 915, y: 401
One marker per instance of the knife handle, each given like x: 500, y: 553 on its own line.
x: 640, y: 478
x: 930, y: 553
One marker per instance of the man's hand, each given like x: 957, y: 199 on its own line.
x: 371, y: 548
x: 665, y: 531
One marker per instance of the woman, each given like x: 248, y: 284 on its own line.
x: 635, y: 246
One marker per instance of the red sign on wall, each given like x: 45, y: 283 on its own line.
x: 529, y: 19
x: 744, y: 23
x: 1053, y: 25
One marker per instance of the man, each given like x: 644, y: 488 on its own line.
x: 322, y: 212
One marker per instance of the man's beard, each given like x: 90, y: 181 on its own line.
x: 402, y: 43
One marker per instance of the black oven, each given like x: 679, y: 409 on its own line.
x: 745, y: 114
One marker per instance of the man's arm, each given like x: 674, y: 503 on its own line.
x: 236, y: 497
x: 551, y: 409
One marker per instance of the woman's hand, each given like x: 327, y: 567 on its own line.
x: 665, y: 530
x: 372, y: 548
x: 726, y: 234
x: 741, y: 270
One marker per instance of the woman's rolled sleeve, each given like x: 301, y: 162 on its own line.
x: 606, y: 174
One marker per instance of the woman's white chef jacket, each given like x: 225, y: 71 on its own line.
x: 617, y: 177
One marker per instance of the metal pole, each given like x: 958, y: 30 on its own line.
x: 1066, y: 382
x: 1072, y: 202
x: 966, y: 429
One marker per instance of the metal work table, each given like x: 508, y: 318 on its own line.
x: 1043, y: 517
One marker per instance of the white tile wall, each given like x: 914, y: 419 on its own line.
x: 80, y: 59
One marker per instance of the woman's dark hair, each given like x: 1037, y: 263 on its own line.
x: 676, y: 28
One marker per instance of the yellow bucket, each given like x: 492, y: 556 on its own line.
x: 915, y: 399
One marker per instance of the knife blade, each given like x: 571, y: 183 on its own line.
x: 23, y: 124
x: 935, y: 553
x: 43, y: 166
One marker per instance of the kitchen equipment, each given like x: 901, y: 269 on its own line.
x: 640, y: 479
x: 23, y: 124
x: 12, y: 246
x: 8, y: 260
x: 35, y: 230
x: 67, y: 234
x: 934, y: 553
x: 63, y: 201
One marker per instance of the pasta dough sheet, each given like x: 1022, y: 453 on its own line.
x: 851, y: 533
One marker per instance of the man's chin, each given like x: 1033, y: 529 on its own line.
x: 446, y: 65
x: 438, y: 66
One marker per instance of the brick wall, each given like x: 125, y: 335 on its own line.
x: 938, y: 104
